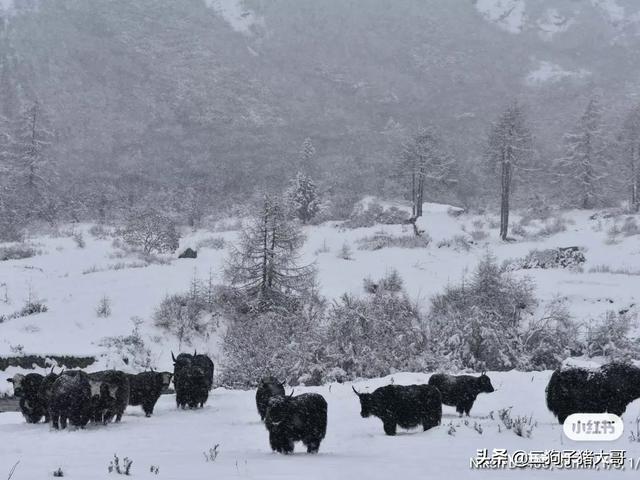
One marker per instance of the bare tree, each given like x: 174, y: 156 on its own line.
x: 425, y: 158
x: 510, y: 146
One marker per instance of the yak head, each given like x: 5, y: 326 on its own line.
x: 484, y: 383
x: 17, y: 380
x: 366, y: 403
x: 278, y: 409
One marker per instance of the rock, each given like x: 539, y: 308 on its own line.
x: 188, y: 253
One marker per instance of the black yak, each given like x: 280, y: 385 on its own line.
x: 407, y: 406
x: 460, y: 391
x: 268, y: 387
x: 291, y: 419
x: 70, y: 400
x: 578, y: 390
x: 205, y: 363
x: 110, y: 395
x: 44, y: 392
x: 146, y: 388
x: 192, y: 381
x: 26, y: 387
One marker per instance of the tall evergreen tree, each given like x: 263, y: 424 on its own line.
x: 32, y: 155
x: 630, y: 156
x: 302, y: 198
x: 307, y: 155
x: 583, y: 168
x: 266, y: 263
x: 509, y: 148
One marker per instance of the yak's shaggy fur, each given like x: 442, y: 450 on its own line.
x: 146, y: 388
x: 405, y: 406
x: 292, y: 419
x: 269, y: 387
x: 577, y: 390
x: 193, y: 378
x: 460, y: 391
x: 70, y: 400
x: 26, y: 387
x: 113, y: 397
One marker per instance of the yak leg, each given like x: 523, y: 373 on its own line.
x: 390, y: 427
x: 313, y: 445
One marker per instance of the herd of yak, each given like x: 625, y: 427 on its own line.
x: 78, y: 398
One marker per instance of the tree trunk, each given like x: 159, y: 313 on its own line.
x: 504, y: 200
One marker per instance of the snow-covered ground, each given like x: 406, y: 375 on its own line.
x: 71, y: 280
x: 353, y: 448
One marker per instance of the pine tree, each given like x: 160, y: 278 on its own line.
x: 265, y: 264
x: 424, y: 159
x: 583, y: 168
x: 630, y: 156
x: 34, y: 165
x: 307, y: 154
x: 302, y: 198
x: 508, y: 150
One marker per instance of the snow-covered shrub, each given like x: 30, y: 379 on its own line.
x: 214, y: 243
x: 477, y: 235
x: 569, y: 257
x: 459, y: 243
x: 103, y: 310
x: 630, y: 227
x: 391, y: 282
x: 609, y: 337
x: 345, y: 252
x: 115, y: 467
x: 380, y: 240
x: 129, y: 350
x: 78, y: 238
x: 375, y: 335
x: 602, y: 268
x: 99, y: 232
x: 287, y: 345
x: 522, y: 426
x: 374, y: 214
x: 17, y: 252
x: 549, y: 340
x: 478, y: 324
x: 58, y: 473
x: 151, y: 231
x: 190, y: 314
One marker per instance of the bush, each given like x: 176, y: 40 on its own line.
x: 214, y: 243
x: 99, y: 231
x: 477, y: 324
x: 569, y: 257
x: 391, y: 282
x: 150, y: 231
x: 382, y: 240
x: 190, y: 314
x: 610, y: 337
x: 345, y: 252
x: 103, y: 310
x: 17, y: 252
x: 630, y: 227
x: 129, y: 350
x: 375, y: 214
x: 376, y: 335
x: 459, y: 243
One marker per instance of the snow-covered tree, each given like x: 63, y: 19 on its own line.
x: 583, y: 169
x: 508, y: 150
x: 425, y: 158
x: 302, y: 198
x: 630, y: 156
x: 307, y: 154
x: 33, y: 160
x: 151, y: 231
x: 265, y: 265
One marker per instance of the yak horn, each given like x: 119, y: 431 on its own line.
x: 355, y: 391
x: 291, y: 394
x: 173, y: 356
